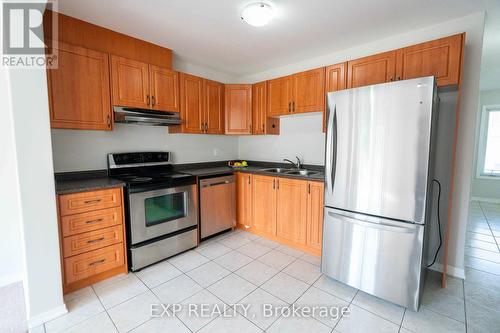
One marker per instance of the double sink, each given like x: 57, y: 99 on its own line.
x: 301, y: 172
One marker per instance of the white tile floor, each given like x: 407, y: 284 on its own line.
x: 239, y: 267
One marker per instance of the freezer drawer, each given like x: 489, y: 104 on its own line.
x: 379, y: 256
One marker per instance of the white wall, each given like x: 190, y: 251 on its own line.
x: 30, y: 111
x: 11, y: 256
x: 473, y: 25
x: 488, y: 188
x: 299, y: 135
x: 86, y: 150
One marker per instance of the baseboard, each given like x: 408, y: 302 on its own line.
x: 10, y: 279
x: 47, y: 316
x: 452, y: 270
x: 492, y: 200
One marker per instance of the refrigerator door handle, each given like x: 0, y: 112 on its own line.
x: 331, y: 153
x: 375, y: 225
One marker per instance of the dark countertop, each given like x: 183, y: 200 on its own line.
x: 220, y: 170
x: 80, y: 181
x: 72, y: 182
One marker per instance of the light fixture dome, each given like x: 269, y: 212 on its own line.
x: 257, y: 14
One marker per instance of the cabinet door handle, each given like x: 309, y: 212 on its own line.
x: 95, y: 240
x: 309, y: 188
x: 97, y: 262
x: 278, y: 184
x: 274, y: 184
x: 93, y: 221
x: 248, y: 179
x: 206, y: 127
x: 398, y: 78
x: 391, y: 79
x: 293, y: 106
x: 147, y: 99
x: 92, y: 201
x: 289, y: 107
x: 263, y: 128
x: 153, y: 101
x: 108, y: 121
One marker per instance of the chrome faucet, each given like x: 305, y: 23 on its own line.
x: 297, y: 165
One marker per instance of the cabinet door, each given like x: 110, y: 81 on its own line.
x: 440, y: 58
x: 238, y: 108
x: 191, y: 94
x: 315, y: 214
x: 244, y: 199
x: 264, y: 204
x: 79, y: 95
x: 336, y: 79
x: 130, y: 83
x: 214, y: 107
x: 309, y: 91
x: 164, y: 89
x: 261, y: 123
x: 291, y: 222
x: 378, y: 68
x: 279, y: 96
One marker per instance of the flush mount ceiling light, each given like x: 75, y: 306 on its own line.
x: 257, y: 14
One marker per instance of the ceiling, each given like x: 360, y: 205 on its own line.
x: 211, y: 33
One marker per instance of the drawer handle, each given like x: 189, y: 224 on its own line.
x: 92, y: 201
x: 93, y: 221
x: 95, y: 240
x: 98, y: 262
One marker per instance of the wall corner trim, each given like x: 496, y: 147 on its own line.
x: 47, y: 316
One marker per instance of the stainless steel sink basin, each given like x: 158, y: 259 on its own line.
x: 302, y: 172
x: 278, y: 170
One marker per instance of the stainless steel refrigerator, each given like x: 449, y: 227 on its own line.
x: 378, y: 187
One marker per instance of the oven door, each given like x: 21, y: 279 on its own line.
x: 161, y: 212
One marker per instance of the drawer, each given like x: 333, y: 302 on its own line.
x: 84, y: 222
x: 88, y: 201
x: 90, y: 263
x: 92, y: 240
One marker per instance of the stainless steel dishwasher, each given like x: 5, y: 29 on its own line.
x: 217, y: 204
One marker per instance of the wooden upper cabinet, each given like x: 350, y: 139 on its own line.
x: 378, y: 68
x: 441, y: 58
x: 264, y: 204
x: 130, y: 83
x: 308, y: 91
x: 79, y: 95
x: 259, y: 105
x: 238, y: 108
x: 164, y: 89
x: 191, y: 95
x: 279, y: 96
x: 213, y: 118
x: 291, y: 220
x: 244, y: 199
x: 336, y: 79
x: 315, y: 193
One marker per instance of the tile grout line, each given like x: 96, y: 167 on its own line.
x: 465, y: 306
x: 489, y: 225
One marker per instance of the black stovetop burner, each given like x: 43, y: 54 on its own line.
x: 144, y: 170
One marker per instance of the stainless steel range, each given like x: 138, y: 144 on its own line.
x: 162, y: 206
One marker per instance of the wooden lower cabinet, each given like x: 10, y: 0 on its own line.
x: 92, y: 236
x: 315, y: 201
x: 244, y: 200
x: 264, y: 204
x: 289, y: 211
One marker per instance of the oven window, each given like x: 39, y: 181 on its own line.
x: 164, y: 208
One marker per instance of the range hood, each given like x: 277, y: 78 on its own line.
x: 145, y: 117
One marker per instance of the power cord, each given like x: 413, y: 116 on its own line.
x: 439, y: 222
